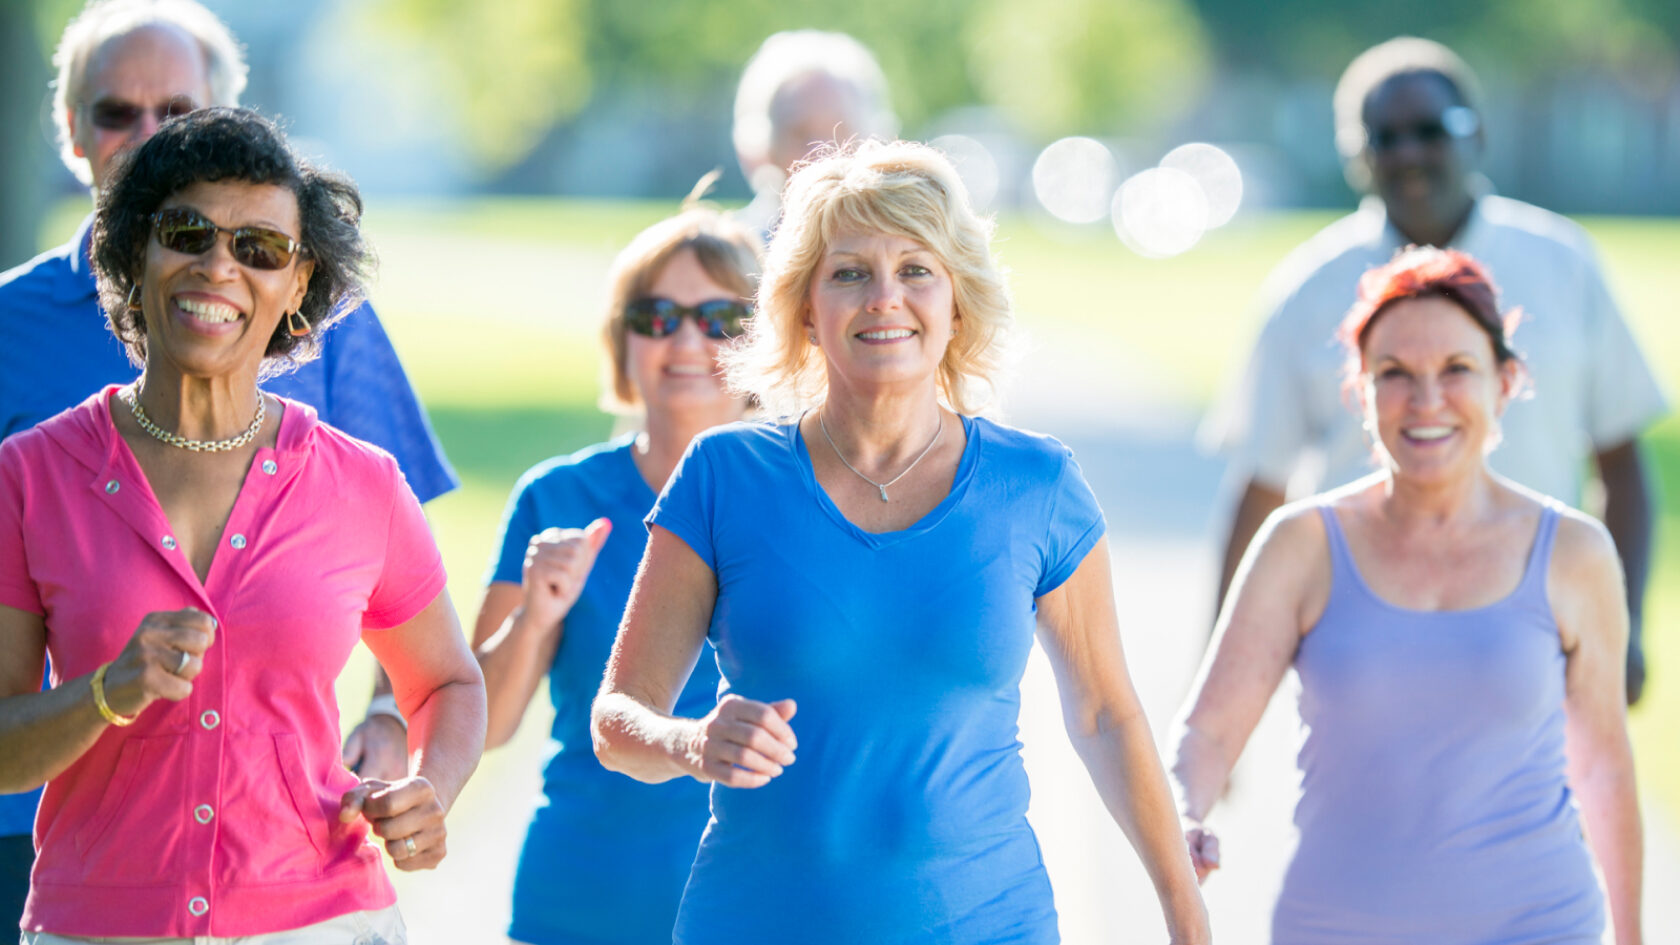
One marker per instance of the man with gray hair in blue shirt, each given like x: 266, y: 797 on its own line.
x: 125, y: 66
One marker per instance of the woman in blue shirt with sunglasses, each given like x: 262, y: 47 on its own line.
x: 605, y: 857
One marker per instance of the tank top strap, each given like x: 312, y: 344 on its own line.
x: 1532, y: 590
x: 1343, y: 571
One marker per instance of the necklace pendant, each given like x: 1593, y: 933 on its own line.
x: 883, y: 492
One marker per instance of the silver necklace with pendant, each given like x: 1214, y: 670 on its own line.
x: 882, y: 486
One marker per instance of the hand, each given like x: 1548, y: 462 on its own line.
x: 150, y: 667
x: 557, y: 563
x: 378, y: 748
x: 1204, y: 849
x: 743, y: 743
x: 399, y: 812
x: 1635, y: 671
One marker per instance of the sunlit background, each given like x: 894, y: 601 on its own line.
x: 1148, y: 161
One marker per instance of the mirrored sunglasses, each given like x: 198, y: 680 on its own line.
x: 656, y: 317
x: 183, y: 230
x: 112, y: 114
x: 1456, y: 122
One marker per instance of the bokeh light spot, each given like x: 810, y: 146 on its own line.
x: 974, y: 164
x: 1073, y: 179
x: 1216, y: 172
x: 1160, y: 212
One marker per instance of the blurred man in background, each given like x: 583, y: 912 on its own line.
x: 1409, y: 128
x: 801, y: 90
x: 125, y: 66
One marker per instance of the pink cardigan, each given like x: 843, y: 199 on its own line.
x: 216, y: 816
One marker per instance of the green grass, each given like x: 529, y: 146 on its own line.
x: 495, y: 307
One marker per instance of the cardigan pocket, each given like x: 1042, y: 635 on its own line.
x: 273, y: 830
x: 133, y: 835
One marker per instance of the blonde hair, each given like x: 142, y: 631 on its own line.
x: 900, y: 188
x: 104, y: 20
x: 728, y: 251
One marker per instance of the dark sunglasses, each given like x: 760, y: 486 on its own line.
x: 182, y: 230
x: 656, y: 317
x: 1456, y: 122
x: 117, y: 115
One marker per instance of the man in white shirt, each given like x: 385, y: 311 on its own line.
x: 1408, y: 127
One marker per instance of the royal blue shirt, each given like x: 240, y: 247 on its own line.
x: 904, y: 817
x: 56, y: 348
x: 605, y: 856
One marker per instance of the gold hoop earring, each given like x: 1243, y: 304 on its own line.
x: 296, y: 324
x: 134, y: 297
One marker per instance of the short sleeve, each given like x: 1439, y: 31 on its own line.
x: 412, y: 574
x: 688, y: 504
x: 17, y: 588
x: 368, y: 395
x: 519, y: 523
x: 1261, y: 422
x: 1075, y: 524
x: 1623, y: 395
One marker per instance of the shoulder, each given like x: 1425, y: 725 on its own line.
x: 330, y: 447
x: 1023, y: 450
x: 1331, y: 261
x: 744, y: 441
x: 590, y: 463
x: 1583, y: 551
x: 1536, y: 230
x: 75, y: 431
x: 21, y: 285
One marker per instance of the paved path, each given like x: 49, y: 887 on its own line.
x: 1161, y: 499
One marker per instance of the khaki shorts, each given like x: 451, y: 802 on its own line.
x: 380, y: 927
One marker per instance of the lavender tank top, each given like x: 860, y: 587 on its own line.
x: 1434, y: 808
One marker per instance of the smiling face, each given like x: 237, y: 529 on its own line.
x: 1432, y: 390
x: 881, y: 308
x: 155, y: 67
x: 680, y: 371
x: 208, y: 315
x: 1419, y: 156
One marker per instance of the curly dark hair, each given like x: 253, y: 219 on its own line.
x: 230, y: 144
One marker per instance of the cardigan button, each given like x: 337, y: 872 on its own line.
x: 270, y: 467
x: 112, y: 487
x: 203, y: 813
x: 168, y: 543
x: 198, y: 905
x: 237, y: 541
x: 210, y: 719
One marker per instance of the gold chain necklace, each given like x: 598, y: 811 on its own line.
x: 132, y: 395
x: 882, y: 485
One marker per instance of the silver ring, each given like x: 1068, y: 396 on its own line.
x: 408, y: 845
x: 181, y: 667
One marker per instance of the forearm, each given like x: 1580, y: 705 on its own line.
x: 1199, y: 771
x: 633, y: 739
x: 1628, y: 516
x: 1119, y: 751
x: 514, y: 662
x: 42, y: 733
x: 1609, y: 804
x: 446, y: 736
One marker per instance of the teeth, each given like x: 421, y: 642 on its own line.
x: 209, y: 311
x: 1429, y: 433
x: 888, y: 334
x: 688, y: 370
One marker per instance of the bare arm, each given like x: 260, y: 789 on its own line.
x: 1586, y: 592
x: 1258, y: 501
x: 1629, y: 513
x: 441, y: 693
x: 1080, y: 631
x: 519, y: 626
x: 42, y: 733
x: 1278, y: 592
x: 741, y: 743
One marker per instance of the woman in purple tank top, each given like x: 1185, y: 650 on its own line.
x: 1459, y: 641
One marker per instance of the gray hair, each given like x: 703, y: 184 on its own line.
x: 104, y: 20
x: 791, y: 54
x: 1401, y: 56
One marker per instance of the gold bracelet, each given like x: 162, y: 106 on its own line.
x: 99, y: 699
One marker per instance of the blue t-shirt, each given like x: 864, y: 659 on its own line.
x: 904, y: 817
x: 605, y: 856
x: 58, y: 348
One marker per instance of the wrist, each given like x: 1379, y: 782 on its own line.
x: 385, y: 704
x: 97, y: 684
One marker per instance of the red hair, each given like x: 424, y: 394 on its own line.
x: 1418, y: 272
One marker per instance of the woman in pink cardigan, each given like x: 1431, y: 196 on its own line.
x: 198, y: 558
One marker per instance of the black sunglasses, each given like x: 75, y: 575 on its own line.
x: 1456, y: 122
x: 113, y: 114
x: 656, y: 317
x: 184, y: 230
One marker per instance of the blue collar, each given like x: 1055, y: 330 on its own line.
x: 77, y: 283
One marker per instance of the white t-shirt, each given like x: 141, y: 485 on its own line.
x: 1287, y: 424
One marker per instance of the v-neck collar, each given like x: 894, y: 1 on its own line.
x: 923, y: 525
